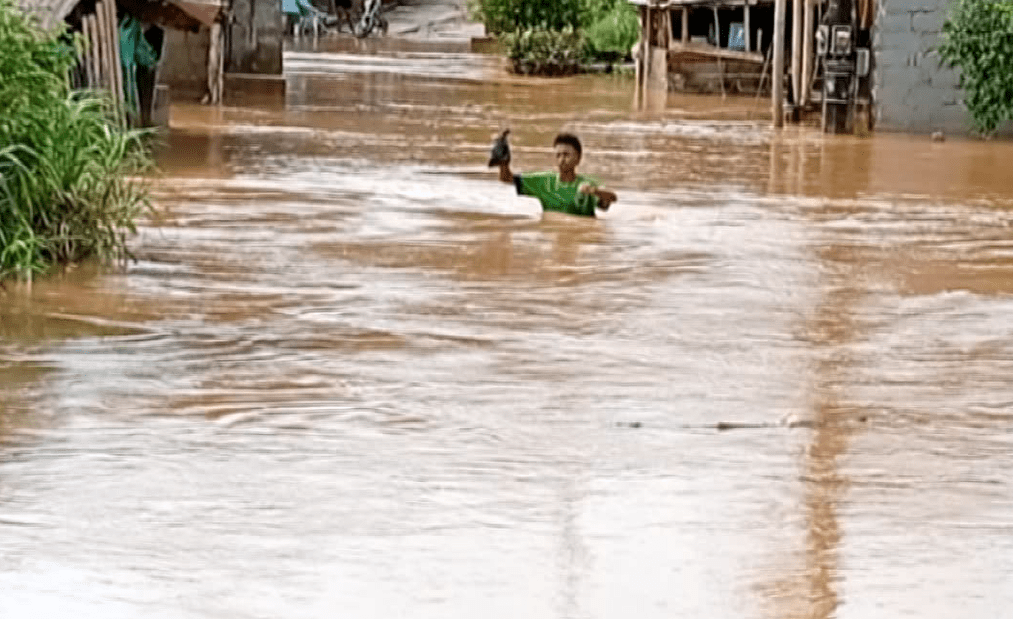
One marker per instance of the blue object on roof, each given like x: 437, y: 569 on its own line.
x: 736, y: 37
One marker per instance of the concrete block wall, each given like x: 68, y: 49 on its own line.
x: 256, y: 38
x: 184, y: 66
x: 911, y: 90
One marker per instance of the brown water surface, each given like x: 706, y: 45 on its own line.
x: 352, y: 375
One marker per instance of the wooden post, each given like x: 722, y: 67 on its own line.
x: 717, y: 27
x: 638, y: 63
x: 807, y: 50
x: 102, y: 45
x: 215, y: 64
x: 114, y: 42
x: 109, y: 33
x: 746, y: 27
x: 796, y: 50
x: 685, y: 25
x: 90, y: 52
x: 777, y: 71
x: 666, y: 23
x: 86, y: 59
x: 646, y: 52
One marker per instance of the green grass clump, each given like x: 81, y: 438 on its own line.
x: 66, y: 165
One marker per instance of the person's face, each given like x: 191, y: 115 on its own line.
x: 567, y: 157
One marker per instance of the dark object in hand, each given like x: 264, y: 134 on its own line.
x: 500, y: 150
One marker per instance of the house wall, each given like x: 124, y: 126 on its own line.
x: 911, y: 91
x: 184, y: 66
x: 257, y: 31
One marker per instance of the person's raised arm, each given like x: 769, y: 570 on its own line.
x: 505, y: 175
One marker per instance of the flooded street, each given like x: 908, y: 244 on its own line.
x: 353, y: 375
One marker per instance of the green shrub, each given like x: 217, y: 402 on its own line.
x: 538, y: 51
x: 502, y: 16
x: 978, y: 40
x: 65, y: 187
x: 614, y: 32
x: 592, y: 11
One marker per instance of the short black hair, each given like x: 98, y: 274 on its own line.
x: 569, y: 138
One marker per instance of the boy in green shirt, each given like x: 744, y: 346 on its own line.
x: 564, y: 191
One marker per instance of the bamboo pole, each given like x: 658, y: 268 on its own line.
x: 807, y: 50
x: 777, y: 71
x: 86, y: 60
x: 102, y: 45
x: 114, y: 43
x: 796, y: 50
x: 98, y: 65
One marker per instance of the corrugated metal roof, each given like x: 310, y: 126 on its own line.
x: 49, y: 12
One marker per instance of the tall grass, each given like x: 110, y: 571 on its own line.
x: 67, y: 190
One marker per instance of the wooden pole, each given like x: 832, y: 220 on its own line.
x: 646, y: 52
x: 102, y: 46
x: 89, y: 43
x: 807, y: 50
x: 685, y: 25
x: 114, y: 44
x: 639, y: 64
x: 86, y: 58
x: 777, y: 71
x: 796, y: 50
x: 717, y: 28
x: 666, y: 21
x: 215, y: 64
x: 746, y: 10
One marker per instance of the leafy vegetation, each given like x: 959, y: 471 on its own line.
x: 614, y: 32
x: 560, y: 37
x: 502, y: 16
x: 539, y: 51
x: 978, y: 40
x: 65, y: 187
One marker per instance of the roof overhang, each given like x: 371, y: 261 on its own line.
x: 204, y: 11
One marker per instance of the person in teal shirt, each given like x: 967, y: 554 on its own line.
x: 564, y: 191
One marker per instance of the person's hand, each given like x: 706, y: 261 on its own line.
x: 587, y: 189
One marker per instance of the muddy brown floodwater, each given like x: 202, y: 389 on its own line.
x: 352, y: 375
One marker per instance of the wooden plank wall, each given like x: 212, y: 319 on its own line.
x: 103, y: 69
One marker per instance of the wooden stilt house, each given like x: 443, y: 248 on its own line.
x: 139, y: 49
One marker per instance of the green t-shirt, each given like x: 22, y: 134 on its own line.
x: 556, y: 195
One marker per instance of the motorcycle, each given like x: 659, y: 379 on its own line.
x: 371, y: 18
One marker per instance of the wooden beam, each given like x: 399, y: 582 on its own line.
x: 703, y: 50
x: 777, y: 71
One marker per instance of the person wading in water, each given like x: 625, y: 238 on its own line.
x: 564, y: 191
